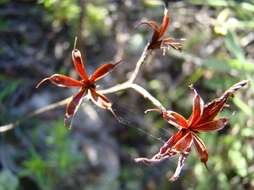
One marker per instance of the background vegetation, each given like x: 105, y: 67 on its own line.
x: 36, y: 38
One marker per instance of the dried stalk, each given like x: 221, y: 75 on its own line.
x: 123, y: 86
x: 39, y: 111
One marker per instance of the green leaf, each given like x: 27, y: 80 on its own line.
x: 233, y: 46
x: 228, y: 65
x: 236, y: 64
x: 238, y: 162
x: 9, y: 88
x: 219, y: 65
x: 244, y: 6
x: 153, y: 3
x: 243, y: 106
x: 216, y: 3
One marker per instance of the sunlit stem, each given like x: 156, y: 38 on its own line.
x: 75, y: 42
x: 154, y: 109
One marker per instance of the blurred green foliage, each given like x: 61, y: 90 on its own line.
x: 96, y: 18
x: 62, y: 10
x: 8, y: 87
x: 59, y: 159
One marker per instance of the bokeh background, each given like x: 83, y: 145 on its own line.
x: 36, y: 39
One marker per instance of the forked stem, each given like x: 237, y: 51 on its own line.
x: 123, y: 86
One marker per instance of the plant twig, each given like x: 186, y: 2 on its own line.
x: 39, y: 111
x: 147, y: 95
x: 137, y: 88
x: 139, y: 63
x: 123, y: 86
x: 130, y: 82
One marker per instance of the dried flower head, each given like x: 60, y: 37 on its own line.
x: 202, y: 119
x: 158, y: 40
x: 86, y: 85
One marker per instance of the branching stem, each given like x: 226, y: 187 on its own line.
x: 119, y: 87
